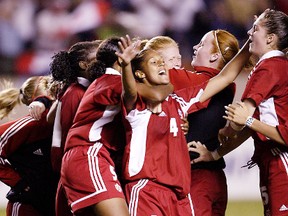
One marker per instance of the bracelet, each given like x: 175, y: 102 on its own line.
x: 249, y: 121
x: 215, y: 155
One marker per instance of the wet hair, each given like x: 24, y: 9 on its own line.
x: 105, y: 57
x: 225, y: 43
x: 276, y: 22
x: 30, y: 89
x: 160, y: 42
x: 65, y: 64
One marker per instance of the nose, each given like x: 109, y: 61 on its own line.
x: 249, y: 32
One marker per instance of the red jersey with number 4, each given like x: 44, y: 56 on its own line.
x: 156, y: 146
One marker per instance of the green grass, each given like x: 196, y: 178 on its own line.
x: 244, y: 208
x: 241, y: 208
x: 2, y: 212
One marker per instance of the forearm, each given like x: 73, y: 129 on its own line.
x: 129, y: 87
x: 52, y: 112
x: 154, y: 94
x: 235, y: 142
x: 266, y: 130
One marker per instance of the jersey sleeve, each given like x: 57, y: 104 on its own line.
x: 283, y: 130
x: 189, y: 98
x: 8, y: 175
x: 263, y: 82
x: 181, y: 78
x: 110, y: 92
x: 14, y: 134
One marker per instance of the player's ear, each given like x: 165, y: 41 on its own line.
x: 83, y: 65
x: 139, y: 74
x: 214, y: 57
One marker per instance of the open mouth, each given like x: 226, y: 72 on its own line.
x: 162, y: 72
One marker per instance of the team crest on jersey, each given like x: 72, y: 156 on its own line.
x: 118, y: 187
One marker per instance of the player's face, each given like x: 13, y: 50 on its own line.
x: 155, y: 69
x: 258, y: 36
x: 203, y: 50
x: 171, y: 56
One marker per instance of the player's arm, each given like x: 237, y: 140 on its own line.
x: 226, y: 147
x: 240, y: 114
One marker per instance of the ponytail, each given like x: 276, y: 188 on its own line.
x: 9, y: 98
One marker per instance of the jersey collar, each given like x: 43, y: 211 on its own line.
x: 112, y: 71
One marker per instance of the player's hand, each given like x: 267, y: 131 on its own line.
x: 128, y: 49
x: 204, y: 153
x: 237, y: 113
x: 185, y: 125
x: 36, y: 109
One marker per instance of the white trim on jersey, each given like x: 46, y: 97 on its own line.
x: 14, y: 128
x: 283, y: 156
x: 15, y: 208
x: 267, y: 112
x: 191, y: 204
x: 95, y: 173
x: 184, y: 104
x: 57, y: 129
x: 108, y: 116
x: 139, y: 123
x: 134, y: 198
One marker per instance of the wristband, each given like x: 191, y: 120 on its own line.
x: 249, y: 121
x: 215, y: 155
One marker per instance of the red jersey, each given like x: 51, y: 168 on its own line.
x: 66, y: 111
x: 181, y: 78
x: 25, y: 146
x: 201, y: 128
x: 23, y: 133
x: 156, y: 147
x: 267, y: 87
x: 99, y: 114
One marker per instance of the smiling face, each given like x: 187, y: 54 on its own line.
x: 153, y: 69
x: 258, y: 36
x: 171, y: 56
x: 203, y: 51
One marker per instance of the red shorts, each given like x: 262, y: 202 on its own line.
x: 88, y: 176
x: 148, y: 198
x: 209, y: 192
x: 61, y: 202
x: 274, y: 183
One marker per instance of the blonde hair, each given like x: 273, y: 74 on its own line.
x: 31, y: 88
x: 160, y: 42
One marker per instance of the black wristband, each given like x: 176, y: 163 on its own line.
x: 46, y: 101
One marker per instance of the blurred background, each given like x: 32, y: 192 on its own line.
x: 32, y: 31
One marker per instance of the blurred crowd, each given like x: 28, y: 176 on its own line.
x: 31, y: 31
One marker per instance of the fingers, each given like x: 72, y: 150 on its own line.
x: 185, y: 126
x: 36, y: 109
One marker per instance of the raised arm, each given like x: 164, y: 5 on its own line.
x: 129, y: 51
x: 228, y: 74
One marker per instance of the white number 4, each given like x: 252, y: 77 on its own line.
x: 173, y: 127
